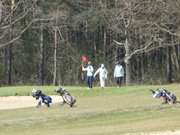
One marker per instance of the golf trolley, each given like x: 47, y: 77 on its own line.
x: 165, y: 95
x: 42, y: 98
x: 66, y: 96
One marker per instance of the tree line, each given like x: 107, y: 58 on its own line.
x: 41, y: 41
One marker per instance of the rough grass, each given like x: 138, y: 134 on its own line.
x: 111, y: 111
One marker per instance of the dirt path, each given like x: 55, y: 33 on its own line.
x: 13, y: 102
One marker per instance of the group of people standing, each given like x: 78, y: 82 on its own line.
x: 103, y: 73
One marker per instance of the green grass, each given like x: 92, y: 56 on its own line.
x: 111, y: 111
x: 80, y: 91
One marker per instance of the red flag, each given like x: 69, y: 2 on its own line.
x: 84, y: 59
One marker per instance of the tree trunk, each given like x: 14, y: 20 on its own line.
x: 142, y: 56
x: 175, y: 57
x: 128, y: 73
x: 127, y: 62
x: 8, y: 64
x: 55, y: 58
x: 169, y: 65
x: 95, y: 48
x: 41, y: 68
x: 1, y: 9
x: 9, y: 50
x: 104, y: 47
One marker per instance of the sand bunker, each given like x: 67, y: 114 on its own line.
x: 13, y: 102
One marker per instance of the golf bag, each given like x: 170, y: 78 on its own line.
x: 165, y: 95
x: 66, y: 96
x: 42, y: 98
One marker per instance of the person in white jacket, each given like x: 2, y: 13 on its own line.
x: 89, y: 69
x: 102, y: 71
x: 119, y: 74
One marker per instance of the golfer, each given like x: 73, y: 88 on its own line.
x: 89, y: 69
x: 119, y: 74
x: 102, y: 71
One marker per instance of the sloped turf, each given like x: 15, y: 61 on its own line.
x: 111, y: 111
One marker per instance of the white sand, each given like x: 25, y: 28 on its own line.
x: 13, y: 102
